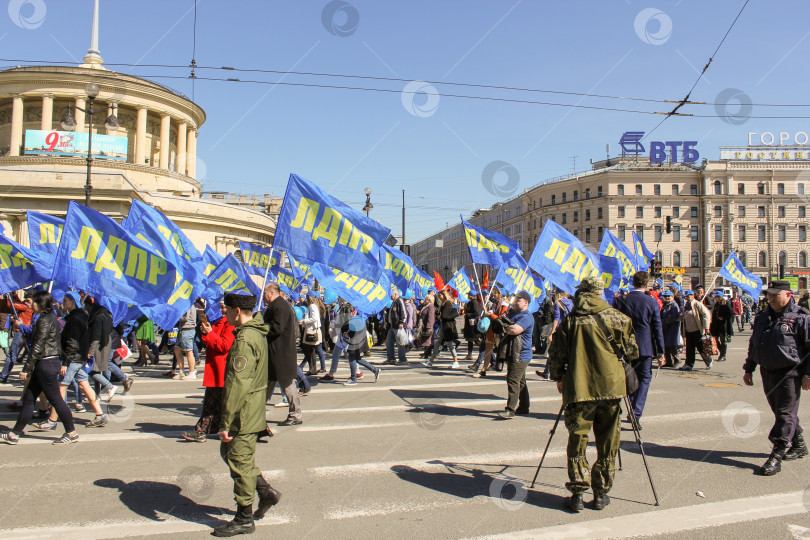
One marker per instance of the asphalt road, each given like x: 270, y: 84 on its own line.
x: 419, y: 454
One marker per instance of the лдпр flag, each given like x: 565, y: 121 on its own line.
x: 256, y: 258
x: 211, y: 260
x: 515, y: 276
x: 228, y: 277
x: 21, y: 267
x: 462, y: 284
x: 613, y: 247
x: 315, y: 226
x: 398, y: 265
x: 488, y: 247
x: 44, y: 231
x: 734, y: 271
x: 644, y: 256
x: 367, y: 297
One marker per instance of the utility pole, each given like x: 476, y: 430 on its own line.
x: 402, y: 246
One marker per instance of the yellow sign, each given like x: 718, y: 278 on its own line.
x: 673, y: 270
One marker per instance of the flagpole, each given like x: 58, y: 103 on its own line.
x: 706, y: 294
x: 267, y: 270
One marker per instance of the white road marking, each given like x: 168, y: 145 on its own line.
x: 671, y: 520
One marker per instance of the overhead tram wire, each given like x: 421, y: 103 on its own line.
x: 685, y: 100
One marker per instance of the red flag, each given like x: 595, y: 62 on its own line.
x: 438, y: 281
x: 485, y: 283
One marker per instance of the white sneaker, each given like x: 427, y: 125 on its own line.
x: 282, y: 404
x: 455, y: 365
x: 111, y: 393
x: 192, y: 376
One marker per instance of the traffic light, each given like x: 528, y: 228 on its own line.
x: 781, y: 271
x: 669, y: 224
x: 655, y: 268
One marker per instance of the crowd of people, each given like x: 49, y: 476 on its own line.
x: 72, y: 346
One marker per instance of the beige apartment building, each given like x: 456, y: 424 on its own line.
x: 754, y: 202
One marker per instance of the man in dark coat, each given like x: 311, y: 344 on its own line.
x: 282, y: 350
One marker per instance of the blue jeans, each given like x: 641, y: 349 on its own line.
x: 354, y: 359
x: 336, y: 352
x: 309, y: 352
x: 114, y: 369
x: 303, y: 383
x: 100, y: 381
x: 390, y: 343
x: 14, y: 352
x: 643, y: 367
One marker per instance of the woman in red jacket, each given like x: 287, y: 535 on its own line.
x: 218, y: 340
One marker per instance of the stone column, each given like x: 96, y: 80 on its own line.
x: 140, y: 136
x: 79, y: 115
x: 47, y: 112
x: 181, y: 148
x: 191, y: 154
x: 165, y: 127
x: 16, y: 124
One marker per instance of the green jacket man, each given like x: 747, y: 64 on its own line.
x: 591, y: 379
x: 243, y: 413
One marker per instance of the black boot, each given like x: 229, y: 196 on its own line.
x: 798, y: 448
x: 242, y: 523
x: 600, y: 500
x: 774, y: 463
x: 268, y: 497
x: 575, y: 503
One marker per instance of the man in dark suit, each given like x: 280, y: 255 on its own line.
x: 282, y: 351
x: 646, y: 316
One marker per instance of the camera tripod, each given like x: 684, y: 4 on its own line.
x: 636, y: 432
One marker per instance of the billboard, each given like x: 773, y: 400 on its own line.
x: 68, y: 143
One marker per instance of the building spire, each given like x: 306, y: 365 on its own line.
x: 93, y: 58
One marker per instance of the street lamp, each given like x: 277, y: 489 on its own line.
x: 367, y: 208
x: 68, y: 123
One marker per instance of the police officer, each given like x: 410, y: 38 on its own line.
x: 591, y: 379
x: 780, y: 345
x: 243, y: 415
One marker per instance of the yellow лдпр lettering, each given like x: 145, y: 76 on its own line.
x: 305, y: 216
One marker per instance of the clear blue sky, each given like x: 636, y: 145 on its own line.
x: 346, y: 140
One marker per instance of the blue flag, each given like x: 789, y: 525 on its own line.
x: 315, y: 226
x: 613, y: 247
x: 515, y: 276
x: 610, y: 269
x: 561, y: 258
x: 734, y: 271
x: 97, y: 255
x: 399, y: 266
x: 301, y: 272
x: 21, y: 267
x: 488, y: 247
x: 211, y: 260
x: 44, y: 231
x: 368, y: 297
x: 421, y: 279
x: 286, y: 281
x: 644, y: 256
x: 462, y: 284
x: 229, y: 276
x: 256, y: 258
x: 141, y: 216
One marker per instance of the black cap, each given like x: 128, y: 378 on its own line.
x: 779, y: 286
x: 524, y: 295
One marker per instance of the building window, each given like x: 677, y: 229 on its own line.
x: 640, y: 232
x: 576, y: 216
x: 658, y: 233
x: 718, y: 233
x: 693, y: 189
x: 780, y: 189
x: 802, y: 233
x: 780, y: 229
x: 761, y: 211
x: 800, y: 188
x: 718, y: 187
x: 695, y: 260
x: 743, y: 258
x: 802, y: 211
x: 676, y: 259
x: 621, y: 211
x: 587, y: 215
x: 576, y: 195
x: 599, y: 191
x: 676, y: 233
x: 718, y: 259
x: 780, y: 211
x: 565, y: 218
x: 718, y: 211
x: 638, y: 189
x: 553, y: 199
x: 658, y: 211
x: 620, y: 189
x: 540, y: 202
x: 600, y: 230
x: 599, y: 213
x: 741, y: 211
x: 760, y: 189
x: 657, y: 189
x: 761, y: 233
x: 803, y: 259
x: 741, y: 233
x: 639, y: 211
x: 565, y: 197
x: 622, y: 233
x: 762, y: 259
x: 693, y: 211
x: 588, y: 234
x: 587, y: 193
x: 676, y: 211
x: 675, y: 189
x: 693, y: 233
x: 740, y: 189
x: 576, y: 233
x: 783, y: 258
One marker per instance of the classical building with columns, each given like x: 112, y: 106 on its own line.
x: 753, y: 201
x: 161, y: 128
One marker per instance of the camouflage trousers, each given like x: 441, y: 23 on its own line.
x: 605, y: 417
